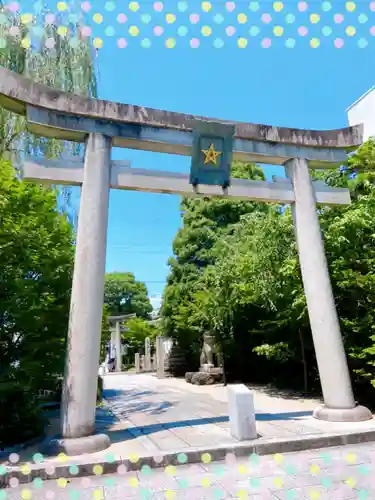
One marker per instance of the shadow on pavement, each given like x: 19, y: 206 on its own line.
x: 145, y: 430
x: 123, y: 403
x: 291, y: 415
x: 117, y: 393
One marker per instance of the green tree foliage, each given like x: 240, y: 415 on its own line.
x: 64, y: 66
x: 240, y: 294
x: 243, y: 283
x: 106, y: 334
x: 36, y: 256
x: 138, y: 329
x: 67, y: 66
x: 124, y: 295
x: 205, y: 221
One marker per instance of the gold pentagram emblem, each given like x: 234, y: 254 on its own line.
x: 210, y: 155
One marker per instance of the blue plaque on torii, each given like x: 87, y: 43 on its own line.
x: 212, y: 154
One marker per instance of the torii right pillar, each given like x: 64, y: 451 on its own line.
x: 339, y: 404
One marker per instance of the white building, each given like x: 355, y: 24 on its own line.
x: 363, y: 111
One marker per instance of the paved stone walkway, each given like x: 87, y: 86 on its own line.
x: 344, y: 473
x: 155, y: 419
x: 166, y: 415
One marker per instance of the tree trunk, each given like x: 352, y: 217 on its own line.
x: 225, y: 378
x: 225, y: 375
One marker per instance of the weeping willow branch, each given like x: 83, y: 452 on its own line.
x: 54, y: 60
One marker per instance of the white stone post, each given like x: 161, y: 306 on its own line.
x: 85, y: 322
x: 137, y: 363
x: 339, y: 404
x: 147, y: 355
x: 242, y: 424
x: 160, y: 357
x: 118, y: 347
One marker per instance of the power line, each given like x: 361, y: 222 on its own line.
x: 148, y: 253
x: 139, y: 245
x: 154, y: 282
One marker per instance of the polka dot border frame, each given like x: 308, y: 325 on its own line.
x: 135, y: 477
x: 122, y: 25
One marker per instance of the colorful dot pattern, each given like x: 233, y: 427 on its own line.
x: 245, y: 467
x: 121, y: 24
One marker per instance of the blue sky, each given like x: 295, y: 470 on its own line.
x: 298, y: 87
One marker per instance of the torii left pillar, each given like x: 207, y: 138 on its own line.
x: 85, y: 321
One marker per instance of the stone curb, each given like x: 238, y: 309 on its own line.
x: 261, y: 447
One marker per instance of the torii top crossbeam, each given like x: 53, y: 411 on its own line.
x: 53, y: 113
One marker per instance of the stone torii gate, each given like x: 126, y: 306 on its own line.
x: 115, y: 329
x: 103, y: 124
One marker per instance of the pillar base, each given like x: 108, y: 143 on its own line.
x: 79, y: 446
x: 356, y: 414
